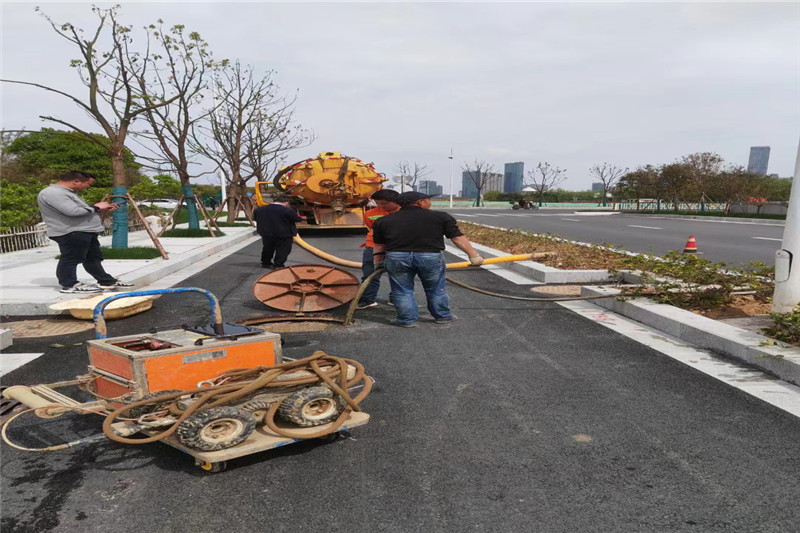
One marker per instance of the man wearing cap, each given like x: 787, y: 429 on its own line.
x: 276, y: 225
x: 409, y: 243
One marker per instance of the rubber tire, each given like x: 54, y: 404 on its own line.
x: 292, y: 407
x: 191, y: 432
x: 213, y: 468
x: 146, y: 409
x: 257, y: 409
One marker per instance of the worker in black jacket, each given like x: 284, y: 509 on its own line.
x: 409, y: 244
x: 276, y: 225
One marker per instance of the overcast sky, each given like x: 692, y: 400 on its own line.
x: 573, y: 84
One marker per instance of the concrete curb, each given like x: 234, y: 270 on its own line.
x: 737, y: 343
x: 151, y: 273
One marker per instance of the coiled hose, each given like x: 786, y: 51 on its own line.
x: 239, y: 383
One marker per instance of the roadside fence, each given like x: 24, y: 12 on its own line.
x: 26, y: 238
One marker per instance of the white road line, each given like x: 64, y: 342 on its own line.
x: 779, y: 393
x: 463, y: 215
x: 12, y: 361
x: 644, y: 227
x: 572, y: 219
x: 766, y: 239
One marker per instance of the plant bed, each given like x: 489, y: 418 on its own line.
x: 191, y: 233
x: 134, y: 252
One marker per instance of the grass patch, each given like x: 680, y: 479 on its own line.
x: 134, y: 252
x: 190, y: 232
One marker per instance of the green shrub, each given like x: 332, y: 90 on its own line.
x: 18, y: 205
x: 786, y: 326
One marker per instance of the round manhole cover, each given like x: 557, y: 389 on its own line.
x: 47, y: 327
x: 558, y: 290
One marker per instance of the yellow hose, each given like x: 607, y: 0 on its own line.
x: 463, y: 264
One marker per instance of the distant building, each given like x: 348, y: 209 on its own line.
x: 597, y: 186
x: 492, y: 182
x: 514, y: 173
x: 429, y: 187
x: 759, y: 160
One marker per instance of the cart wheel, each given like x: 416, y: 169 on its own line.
x: 213, y: 468
x: 148, y: 408
x: 214, y: 429
x: 257, y: 409
x: 311, y: 407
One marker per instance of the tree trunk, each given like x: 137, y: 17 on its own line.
x: 191, y: 207
x: 119, y: 218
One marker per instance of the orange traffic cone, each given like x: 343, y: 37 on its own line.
x: 691, y: 246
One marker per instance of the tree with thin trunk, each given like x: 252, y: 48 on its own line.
x: 415, y: 172
x: 108, y: 67
x: 544, y: 178
x: 608, y: 175
x: 249, y: 130
x: 478, y: 173
x: 184, y: 69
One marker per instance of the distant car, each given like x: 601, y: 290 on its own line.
x: 164, y: 203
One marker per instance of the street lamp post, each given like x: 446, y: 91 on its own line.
x: 787, y: 266
x: 451, y: 177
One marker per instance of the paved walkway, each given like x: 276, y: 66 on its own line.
x: 28, y: 277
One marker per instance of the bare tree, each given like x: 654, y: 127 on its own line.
x: 478, y: 174
x: 249, y: 130
x: 415, y: 172
x: 608, y: 175
x: 109, y: 68
x: 184, y: 66
x: 544, y: 178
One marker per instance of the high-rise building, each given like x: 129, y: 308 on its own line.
x: 429, y: 187
x: 759, y: 160
x: 597, y: 186
x: 491, y: 182
x: 514, y: 174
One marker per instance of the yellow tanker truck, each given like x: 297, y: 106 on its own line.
x: 331, y: 190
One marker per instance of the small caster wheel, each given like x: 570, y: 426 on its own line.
x: 213, y: 468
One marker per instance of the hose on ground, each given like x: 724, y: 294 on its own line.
x: 240, y: 383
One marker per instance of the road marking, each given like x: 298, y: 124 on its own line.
x: 779, y: 393
x: 464, y: 215
x: 644, y: 227
x: 12, y: 361
x: 572, y: 219
x: 767, y: 239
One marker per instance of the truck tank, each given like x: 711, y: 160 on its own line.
x: 331, y: 190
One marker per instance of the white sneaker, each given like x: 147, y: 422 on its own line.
x: 118, y: 283
x: 81, y: 288
x: 366, y: 306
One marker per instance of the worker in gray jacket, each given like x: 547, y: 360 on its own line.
x: 75, y: 225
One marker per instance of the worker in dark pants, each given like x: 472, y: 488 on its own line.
x: 409, y: 243
x: 276, y: 223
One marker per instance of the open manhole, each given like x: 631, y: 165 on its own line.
x: 558, y: 290
x: 294, y: 323
x: 47, y: 327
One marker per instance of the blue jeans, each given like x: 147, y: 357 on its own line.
x: 80, y: 248
x: 430, y: 267
x: 367, y: 268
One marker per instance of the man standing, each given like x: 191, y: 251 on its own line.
x: 385, y: 201
x: 75, y: 225
x: 276, y: 225
x: 411, y: 241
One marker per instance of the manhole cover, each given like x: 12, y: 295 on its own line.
x: 558, y: 290
x: 306, y: 288
x: 47, y: 327
x: 299, y: 327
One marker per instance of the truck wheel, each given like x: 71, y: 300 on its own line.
x: 310, y: 407
x: 215, y: 429
x: 148, y: 408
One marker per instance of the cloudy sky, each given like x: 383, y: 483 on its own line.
x: 573, y: 84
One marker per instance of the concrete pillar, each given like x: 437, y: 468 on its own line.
x: 787, y: 259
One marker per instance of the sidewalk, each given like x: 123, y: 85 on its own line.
x: 28, y: 284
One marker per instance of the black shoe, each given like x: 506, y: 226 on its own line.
x: 267, y: 265
x: 279, y: 266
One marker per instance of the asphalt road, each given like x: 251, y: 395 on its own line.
x: 734, y: 243
x: 520, y: 416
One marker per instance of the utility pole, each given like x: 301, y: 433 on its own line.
x: 787, y: 259
x: 451, y: 177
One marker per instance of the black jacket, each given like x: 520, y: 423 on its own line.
x: 276, y: 220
